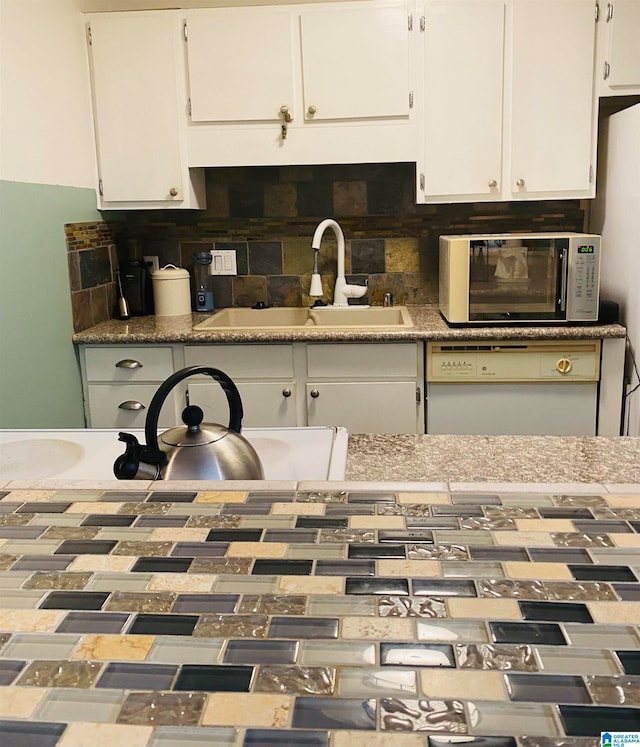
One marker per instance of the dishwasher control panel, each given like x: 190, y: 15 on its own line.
x: 512, y: 361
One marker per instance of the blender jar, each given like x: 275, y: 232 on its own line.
x: 203, y: 293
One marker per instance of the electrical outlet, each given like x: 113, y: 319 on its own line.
x: 155, y: 264
x: 224, y: 262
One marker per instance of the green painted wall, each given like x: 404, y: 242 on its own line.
x: 39, y: 374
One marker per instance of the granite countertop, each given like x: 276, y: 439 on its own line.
x: 326, y: 615
x: 428, y: 325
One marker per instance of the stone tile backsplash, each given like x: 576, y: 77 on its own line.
x: 267, y: 216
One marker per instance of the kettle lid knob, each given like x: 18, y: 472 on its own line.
x: 192, y: 416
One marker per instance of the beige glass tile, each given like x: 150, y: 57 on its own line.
x: 312, y: 551
x: 505, y: 719
x: 108, y: 563
x: 13, y: 579
x: 221, y: 496
x: 311, y: 585
x: 432, y: 499
x: 377, y: 739
x: 483, y: 609
x: 463, y: 684
x: 23, y: 599
x: 471, y: 569
x: 171, y: 649
x: 551, y: 571
x: 20, y: 702
x: 521, y: 538
x: 72, y: 704
x: 370, y: 683
x: 248, y: 709
x: 25, y: 646
x: 378, y: 628
x: 129, y: 534
x: 193, y: 736
x: 602, y: 636
x: 257, y: 550
x: 119, y: 581
x: 452, y: 630
x: 615, y: 612
x: 30, y: 547
x: 81, y: 734
x: 615, y: 556
x: 267, y: 522
x: 409, y: 568
x: 320, y: 653
x: 193, y: 509
x: 338, y: 606
x: 56, y: 520
x: 569, y: 660
x: 246, y: 584
x: 462, y: 537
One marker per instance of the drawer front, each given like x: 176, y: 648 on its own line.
x: 364, y: 360
x: 127, y: 406
x: 244, y: 361
x: 125, y: 363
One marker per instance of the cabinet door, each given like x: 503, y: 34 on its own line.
x: 463, y: 98
x: 355, y: 61
x: 266, y: 404
x: 364, y: 407
x: 240, y: 63
x: 137, y: 106
x: 551, y: 92
x: 624, y: 44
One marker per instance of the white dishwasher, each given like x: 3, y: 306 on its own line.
x: 513, y: 387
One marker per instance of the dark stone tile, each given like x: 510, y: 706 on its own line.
x: 161, y: 565
x: 556, y: 612
x: 270, y: 497
x: 373, y: 551
x: 630, y: 661
x: 565, y: 513
x: 362, y: 585
x: 457, y: 511
x: 247, y: 651
x: 249, y: 289
x: 385, y: 197
x: 95, y: 267
x: 29, y: 734
x: 285, y: 738
x: 206, y: 603
x: 338, y: 713
x: 635, y: 525
x: 43, y: 507
x: 626, y: 592
x: 440, y: 587
x: 367, y: 256
x: 199, y: 549
x: 284, y: 290
x: 246, y: 200
x: 43, y: 563
x: 104, y: 520
x: 277, y: 567
x: 546, y: 688
x: 21, y: 532
x: 152, y: 520
x: 354, y: 509
x: 315, y: 199
x: 238, y: 509
x: 144, y: 624
x: 117, y: 496
x: 321, y: 522
x: 417, y: 654
x: 172, y: 497
x: 74, y: 600
x: 369, y: 497
x: 93, y: 622
x: 433, y: 522
x: 602, y: 573
x: 559, y: 555
x: 211, y: 678
x: 222, y: 287
x: 606, y: 527
x: 398, y: 536
x: 476, y: 499
x: 265, y: 257
x: 515, y: 632
x: 85, y: 547
x: 234, y: 535
x: 134, y: 676
x: 9, y: 670
x: 296, y: 536
x: 591, y: 721
x: 345, y: 568
x: 307, y: 628
x: 499, y: 553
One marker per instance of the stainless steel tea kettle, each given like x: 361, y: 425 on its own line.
x: 195, y: 451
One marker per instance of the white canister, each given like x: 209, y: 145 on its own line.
x: 171, y: 291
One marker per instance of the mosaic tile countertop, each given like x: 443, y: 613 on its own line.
x: 428, y: 325
x: 332, y: 617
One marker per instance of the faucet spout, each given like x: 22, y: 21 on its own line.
x: 343, y: 290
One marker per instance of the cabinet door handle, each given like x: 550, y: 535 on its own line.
x: 131, y: 404
x: 286, y: 392
x: 520, y: 183
x: 314, y: 393
x: 173, y: 192
x: 493, y: 183
x: 312, y: 110
x: 128, y: 363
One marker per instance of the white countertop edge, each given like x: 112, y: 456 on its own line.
x: 377, y: 485
x: 621, y: 488
x: 581, y: 488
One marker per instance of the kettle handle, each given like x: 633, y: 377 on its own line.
x: 229, y: 388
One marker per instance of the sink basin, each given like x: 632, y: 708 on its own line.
x: 318, y: 318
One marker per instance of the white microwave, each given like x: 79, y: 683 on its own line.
x: 519, y: 278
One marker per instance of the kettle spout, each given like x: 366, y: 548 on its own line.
x: 138, y: 462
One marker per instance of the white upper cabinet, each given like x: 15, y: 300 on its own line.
x: 355, y: 62
x: 139, y: 105
x: 551, y: 118
x: 463, y: 92
x: 240, y: 63
x: 619, y: 47
x: 301, y: 84
x: 509, y: 106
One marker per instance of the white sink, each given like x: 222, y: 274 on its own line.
x: 88, y: 454
x: 284, y: 317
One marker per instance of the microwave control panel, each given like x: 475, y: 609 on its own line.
x: 584, y: 278
x: 513, y: 361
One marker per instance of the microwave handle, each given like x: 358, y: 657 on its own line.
x: 562, y: 301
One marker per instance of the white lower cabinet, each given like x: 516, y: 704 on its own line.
x: 119, y: 382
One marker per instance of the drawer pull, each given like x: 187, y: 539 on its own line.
x: 315, y: 393
x: 286, y: 392
x: 128, y: 363
x: 131, y: 404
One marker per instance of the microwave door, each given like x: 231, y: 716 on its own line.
x: 521, y: 282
